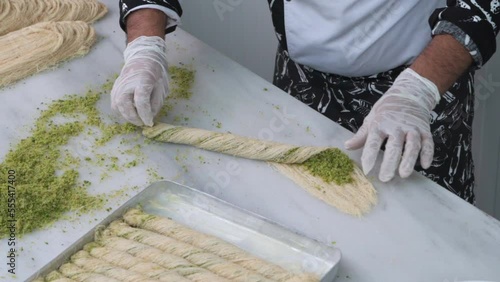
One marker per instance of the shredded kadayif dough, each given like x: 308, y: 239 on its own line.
x: 336, y: 181
x: 144, y: 247
x: 231, y: 144
x: 38, y: 47
x: 18, y: 14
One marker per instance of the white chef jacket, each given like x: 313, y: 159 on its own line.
x: 357, y: 38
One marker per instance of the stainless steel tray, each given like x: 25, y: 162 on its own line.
x: 213, y: 216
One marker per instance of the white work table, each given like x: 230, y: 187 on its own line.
x: 418, y: 231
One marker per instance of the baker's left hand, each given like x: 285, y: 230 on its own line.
x: 402, y: 116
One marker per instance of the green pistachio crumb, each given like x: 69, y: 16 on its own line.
x: 182, y: 81
x: 331, y: 165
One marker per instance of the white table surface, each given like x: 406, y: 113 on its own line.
x: 417, y: 232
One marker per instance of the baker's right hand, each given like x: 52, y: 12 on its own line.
x: 140, y: 90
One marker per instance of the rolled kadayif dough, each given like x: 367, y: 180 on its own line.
x: 83, y: 260
x: 230, y: 144
x: 38, y: 47
x: 18, y: 14
x: 112, y: 244
x: 356, y: 198
x: 195, y: 255
x: 76, y: 273
x: 178, y: 256
x: 124, y: 253
x: 170, y: 228
x: 133, y: 263
x: 54, y: 276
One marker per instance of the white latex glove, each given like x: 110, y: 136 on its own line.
x: 402, y: 116
x: 140, y: 90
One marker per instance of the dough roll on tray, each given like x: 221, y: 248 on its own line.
x: 146, y: 247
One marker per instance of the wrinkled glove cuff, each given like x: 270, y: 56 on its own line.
x: 148, y: 48
x: 410, y: 85
x: 142, y: 44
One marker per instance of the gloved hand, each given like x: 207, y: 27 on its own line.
x: 140, y: 90
x: 402, y: 116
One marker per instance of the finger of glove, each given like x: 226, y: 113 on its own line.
x: 412, y: 149
x: 359, y: 139
x: 158, y: 98
x: 142, y: 100
x: 373, y: 143
x: 114, y: 96
x: 122, y: 101
x: 119, y: 88
x: 427, y: 152
x: 125, y: 105
x: 392, y: 156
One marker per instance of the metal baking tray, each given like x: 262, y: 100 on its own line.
x: 205, y: 213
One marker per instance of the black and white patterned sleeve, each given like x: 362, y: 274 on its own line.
x: 172, y: 8
x: 474, y: 23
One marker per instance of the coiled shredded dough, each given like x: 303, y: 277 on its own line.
x: 18, y: 14
x: 35, y: 48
